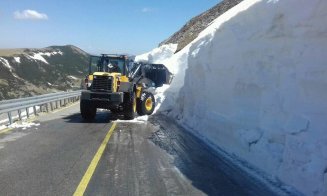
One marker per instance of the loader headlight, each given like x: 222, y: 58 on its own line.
x: 88, y: 81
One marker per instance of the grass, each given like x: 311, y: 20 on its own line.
x: 11, y: 52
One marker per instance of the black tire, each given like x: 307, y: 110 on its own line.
x: 146, y: 104
x: 129, y: 106
x: 115, y: 111
x: 88, y: 111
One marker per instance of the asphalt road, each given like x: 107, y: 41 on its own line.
x: 141, y: 158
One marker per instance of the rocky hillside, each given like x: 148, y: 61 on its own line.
x: 26, y: 72
x: 197, y: 24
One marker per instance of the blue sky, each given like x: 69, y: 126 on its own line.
x: 97, y: 26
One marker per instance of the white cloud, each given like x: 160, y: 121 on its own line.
x: 146, y: 9
x: 30, y: 15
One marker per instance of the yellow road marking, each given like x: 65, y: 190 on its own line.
x: 90, y: 170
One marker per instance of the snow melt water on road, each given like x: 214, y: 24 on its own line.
x: 254, y: 84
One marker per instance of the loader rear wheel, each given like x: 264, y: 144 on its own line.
x: 146, y: 104
x: 115, y: 110
x: 88, y: 111
x: 129, y: 106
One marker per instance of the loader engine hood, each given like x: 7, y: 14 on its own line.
x: 106, y: 74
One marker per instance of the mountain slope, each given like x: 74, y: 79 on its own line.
x: 26, y: 72
x: 197, y: 24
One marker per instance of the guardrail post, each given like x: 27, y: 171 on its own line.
x: 9, y: 118
x: 51, y: 106
x: 46, y: 107
x: 34, y: 110
x: 55, y: 100
x: 27, y: 113
x: 19, y: 114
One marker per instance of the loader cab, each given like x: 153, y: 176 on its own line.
x: 109, y: 64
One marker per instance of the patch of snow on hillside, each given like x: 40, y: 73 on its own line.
x: 73, y: 77
x: 6, y: 63
x: 17, y: 59
x: 51, y: 53
x: 39, y: 55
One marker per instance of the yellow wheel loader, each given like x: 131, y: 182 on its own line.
x: 117, y: 83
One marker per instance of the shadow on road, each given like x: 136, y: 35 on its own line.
x: 195, y: 160
x: 101, y: 117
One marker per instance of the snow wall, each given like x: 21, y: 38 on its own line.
x: 254, y: 83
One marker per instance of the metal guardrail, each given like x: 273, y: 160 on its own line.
x: 46, y: 100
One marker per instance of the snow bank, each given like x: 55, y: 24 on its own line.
x: 176, y: 64
x: 255, y: 85
x: 157, y: 55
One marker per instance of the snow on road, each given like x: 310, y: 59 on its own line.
x: 4, y: 120
x: 254, y: 84
x: 139, y: 119
x: 23, y: 125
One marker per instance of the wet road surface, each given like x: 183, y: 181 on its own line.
x: 141, y: 158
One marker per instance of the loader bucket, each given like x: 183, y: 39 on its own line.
x: 158, y: 73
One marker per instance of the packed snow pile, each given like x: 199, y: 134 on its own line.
x: 176, y: 64
x: 157, y: 55
x: 254, y: 83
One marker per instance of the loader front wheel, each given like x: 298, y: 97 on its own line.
x: 88, y: 111
x: 146, y: 104
x: 129, y: 106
